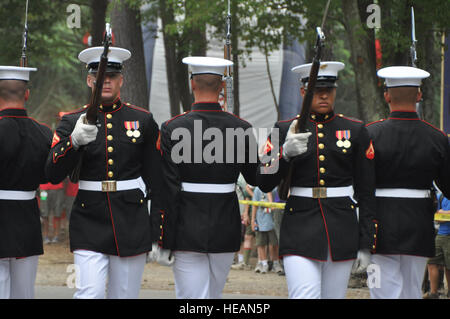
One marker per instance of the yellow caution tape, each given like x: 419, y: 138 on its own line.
x: 437, y: 217
x: 442, y: 217
x: 263, y: 204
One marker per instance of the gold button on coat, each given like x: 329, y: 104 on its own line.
x: 321, y: 146
x: 322, y: 182
x: 320, y: 126
x: 109, y: 125
x: 321, y: 135
x: 110, y: 138
x: 110, y: 149
x: 321, y: 158
x: 322, y: 170
x: 109, y: 116
x: 110, y: 174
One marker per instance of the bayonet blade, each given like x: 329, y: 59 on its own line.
x: 322, y: 25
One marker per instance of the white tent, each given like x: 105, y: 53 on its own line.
x: 257, y: 105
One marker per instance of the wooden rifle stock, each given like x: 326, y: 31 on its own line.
x: 283, y: 188
x: 96, y: 99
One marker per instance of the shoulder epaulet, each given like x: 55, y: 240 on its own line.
x: 175, y: 117
x: 349, y: 118
x: 379, y: 121
x: 290, y: 120
x: 137, y: 108
x: 437, y: 129
x: 238, y: 117
x: 78, y: 110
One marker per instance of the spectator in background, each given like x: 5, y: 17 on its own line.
x: 249, y: 234
x: 51, y: 204
x: 240, y: 192
x: 70, y: 192
x: 277, y: 215
x: 442, y: 256
x: 263, y: 225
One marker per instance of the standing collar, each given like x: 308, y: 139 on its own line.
x: 316, y: 117
x: 206, y: 106
x: 404, y: 115
x: 111, y: 107
x: 13, y: 112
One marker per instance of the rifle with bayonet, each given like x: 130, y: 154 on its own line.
x: 413, y: 53
x: 228, y: 73
x: 283, y: 188
x: 96, y: 96
x: 23, y: 58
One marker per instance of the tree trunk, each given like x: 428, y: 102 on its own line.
x: 126, y: 26
x: 98, y: 9
x: 272, y: 89
x: 235, y: 54
x: 430, y: 61
x: 370, y: 105
x: 167, y: 17
x: 192, y: 42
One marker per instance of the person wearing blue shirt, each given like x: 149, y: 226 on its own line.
x: 263, y: 225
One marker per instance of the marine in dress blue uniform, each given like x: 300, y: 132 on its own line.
x: 333, y: 175
x: 411, y: 154
x: 24, y: 146
x: 121, y: 171
x: 202, y: 225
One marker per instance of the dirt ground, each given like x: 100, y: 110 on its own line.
x: 55, y: 269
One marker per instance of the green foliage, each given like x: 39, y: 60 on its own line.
x: 52, y: 48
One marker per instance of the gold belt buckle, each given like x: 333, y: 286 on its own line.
x: 109, y: 186
x: 319, y: 192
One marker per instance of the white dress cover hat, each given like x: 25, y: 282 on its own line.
x: 15, y: 73
x: 207, y: 65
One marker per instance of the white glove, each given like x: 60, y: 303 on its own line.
x: 151, y: 255
x: 362, y: 261
x: 163, y: 257
x: 83, y: 134
x: 295, y: 143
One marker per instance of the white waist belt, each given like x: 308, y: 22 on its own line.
x: 402, y: 193
x: 208, y: 188
x: 113, y: 186
x: 17, y: 195
x: 322, y: 192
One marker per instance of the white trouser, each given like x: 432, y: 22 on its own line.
x: 94, y: 270
x: 17, y: 277
x: 200, y: 275
x: 311, y: 279
x: 400, y: 276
